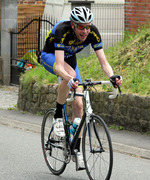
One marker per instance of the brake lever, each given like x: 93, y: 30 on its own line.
x: 72, y: 97
x: 119, y: 90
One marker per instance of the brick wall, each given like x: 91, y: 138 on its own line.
x: 137, y: 13
x: 31, y: 1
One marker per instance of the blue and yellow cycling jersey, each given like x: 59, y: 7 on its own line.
x: 62, y: 37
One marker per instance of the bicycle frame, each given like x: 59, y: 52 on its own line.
x: 86, y: 116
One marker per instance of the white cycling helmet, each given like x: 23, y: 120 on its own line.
x: 81, y: 15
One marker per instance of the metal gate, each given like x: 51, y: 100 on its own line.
x: 30, y: 35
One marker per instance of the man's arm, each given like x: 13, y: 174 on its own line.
x: 62, y: 69
x: 60, y: 65
x: 104, y: 63
x: 106, y: 66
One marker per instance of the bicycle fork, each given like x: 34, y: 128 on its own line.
x: 92, y: 150
x: 89, y: 112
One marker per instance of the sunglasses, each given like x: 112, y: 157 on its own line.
x: 80, y: 27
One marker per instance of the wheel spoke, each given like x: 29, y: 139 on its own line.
x: 52, y: 145
x: 98, y: 163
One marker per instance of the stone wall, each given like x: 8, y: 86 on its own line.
x: 130, y: 111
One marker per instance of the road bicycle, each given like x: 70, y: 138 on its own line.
x: 96, y: 141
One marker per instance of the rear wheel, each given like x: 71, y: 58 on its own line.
x: 98, y: 157
x: 52, y: 145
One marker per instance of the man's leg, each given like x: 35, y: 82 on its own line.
x: 63, y: 91
x: 48, y: 61
x: 77, y: 106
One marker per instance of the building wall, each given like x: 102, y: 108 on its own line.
x: 52, y: 7
x: 31, y: 1
x: 0, y: 27
x: 8, y: 22
x: 0, y: 48
x: 137, y: 13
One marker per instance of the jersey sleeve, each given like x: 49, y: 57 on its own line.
x: 95, y: 38
x: 58, y: 43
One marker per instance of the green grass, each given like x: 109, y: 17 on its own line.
x: 131, y: 59
x: 117, y: 127
x: 39, y: 75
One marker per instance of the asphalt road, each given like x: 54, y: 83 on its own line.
x: 21, y: 158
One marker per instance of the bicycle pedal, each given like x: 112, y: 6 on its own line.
x: 79, y: 168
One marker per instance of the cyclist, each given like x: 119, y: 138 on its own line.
x: 67, y: 38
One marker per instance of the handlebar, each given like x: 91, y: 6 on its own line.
x: 113, y: 96
x: 88, y: 83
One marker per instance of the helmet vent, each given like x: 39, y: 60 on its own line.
x: 81, y: 18
x: 89, y: 17
x: 84, y: 13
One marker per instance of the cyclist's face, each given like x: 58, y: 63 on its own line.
x: 81, y: 30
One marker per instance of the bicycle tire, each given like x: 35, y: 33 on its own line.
x: 98, y: 165
x: 54, y: 157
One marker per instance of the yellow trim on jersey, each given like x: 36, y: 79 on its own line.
x: 46, y: 64
x: 54, y: 68
x: 63, y: 38
x: 95, y: 35
x: 48, y: 34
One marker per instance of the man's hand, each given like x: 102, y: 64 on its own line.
x: 116, y: 80
x: 73, y: 84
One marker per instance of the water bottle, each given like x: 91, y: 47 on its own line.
x: 74, y: 126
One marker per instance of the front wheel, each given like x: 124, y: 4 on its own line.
x: 52, y: 145
x: 97, y: 149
